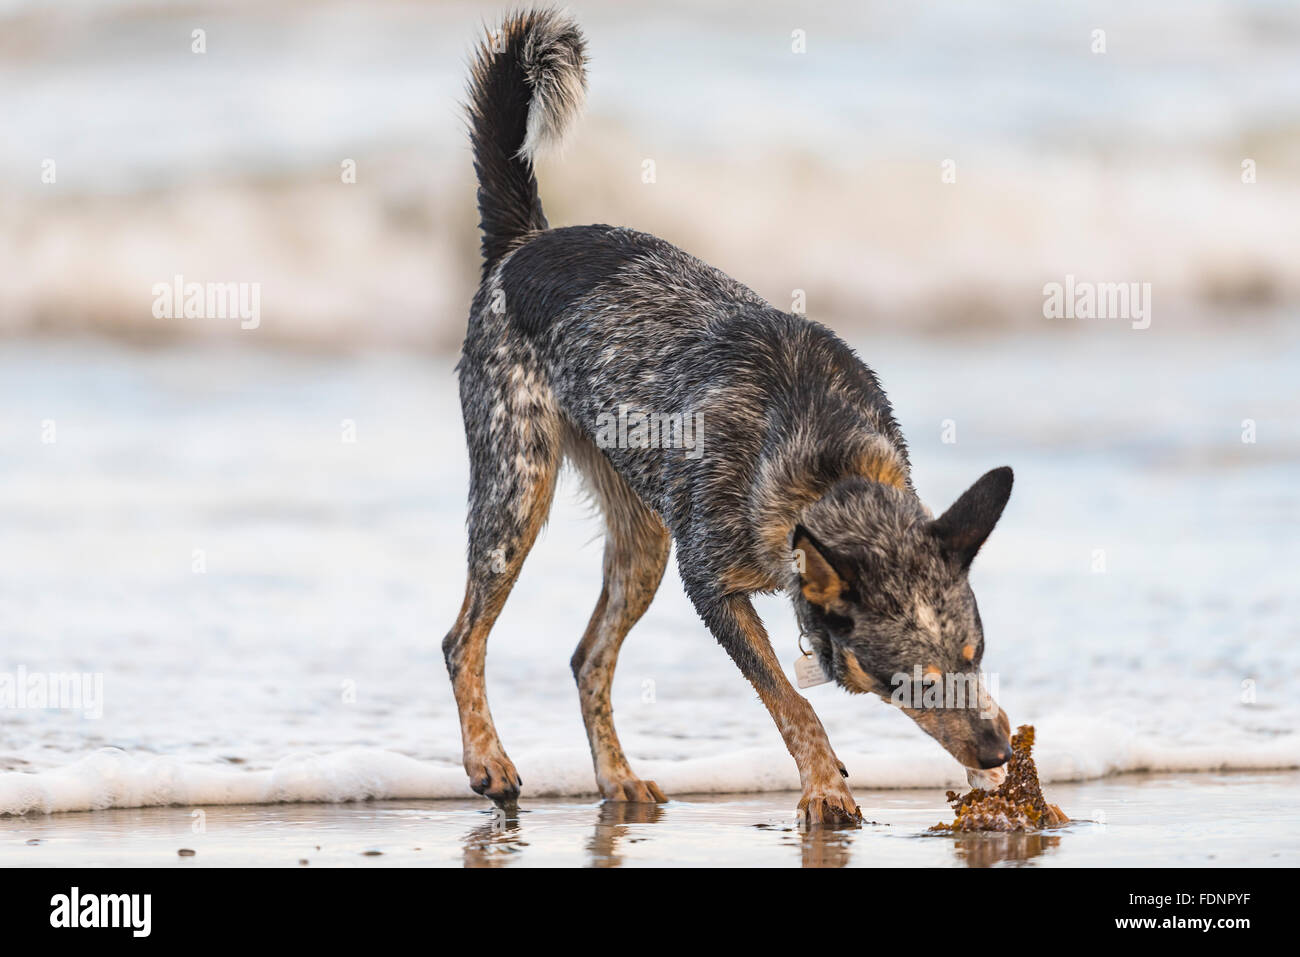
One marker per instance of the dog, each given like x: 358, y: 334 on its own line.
x: 805, y: 485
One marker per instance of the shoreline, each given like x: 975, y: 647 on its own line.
x: 1180, y: 820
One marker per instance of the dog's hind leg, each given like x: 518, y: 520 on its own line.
x: 513, y: 436
x: 636, y: 552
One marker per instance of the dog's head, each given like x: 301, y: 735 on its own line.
x: 882, y: 591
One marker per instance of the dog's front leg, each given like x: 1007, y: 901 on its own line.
x: 826, y: 798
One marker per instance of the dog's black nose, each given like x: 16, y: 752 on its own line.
x: 994, y: 754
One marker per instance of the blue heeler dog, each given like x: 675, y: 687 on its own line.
x: 804, y: 486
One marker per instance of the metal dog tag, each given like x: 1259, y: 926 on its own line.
x: 808, y: 671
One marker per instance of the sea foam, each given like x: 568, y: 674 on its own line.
x: 112, y: 778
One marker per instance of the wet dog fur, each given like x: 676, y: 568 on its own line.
x: 804, y: 487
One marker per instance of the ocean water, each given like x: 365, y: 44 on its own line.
x: 264, y: 600
x: 225, y: 166
x: 282, y: 86
x: 1173, y: 820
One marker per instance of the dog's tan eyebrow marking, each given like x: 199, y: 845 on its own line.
x: 932, y: 672
x: 968, y: 652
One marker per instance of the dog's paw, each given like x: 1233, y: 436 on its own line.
x: 831, y: 805
x: 494, y: 777
x: 633, y: 790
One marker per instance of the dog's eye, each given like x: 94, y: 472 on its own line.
x: 837, y: 624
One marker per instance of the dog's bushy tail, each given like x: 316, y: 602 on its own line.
x: 527, y: 83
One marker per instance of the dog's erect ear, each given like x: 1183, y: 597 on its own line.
x: 821, y: 578
x: 963, y: 528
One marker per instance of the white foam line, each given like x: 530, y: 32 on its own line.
x: 114, y: 779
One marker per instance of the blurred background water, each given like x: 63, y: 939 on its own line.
x: 818, y: 171
x: 333, y: 564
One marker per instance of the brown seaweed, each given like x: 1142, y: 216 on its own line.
x: 1015, y: 805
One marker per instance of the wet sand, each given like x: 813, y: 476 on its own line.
x: 1242, y: 819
